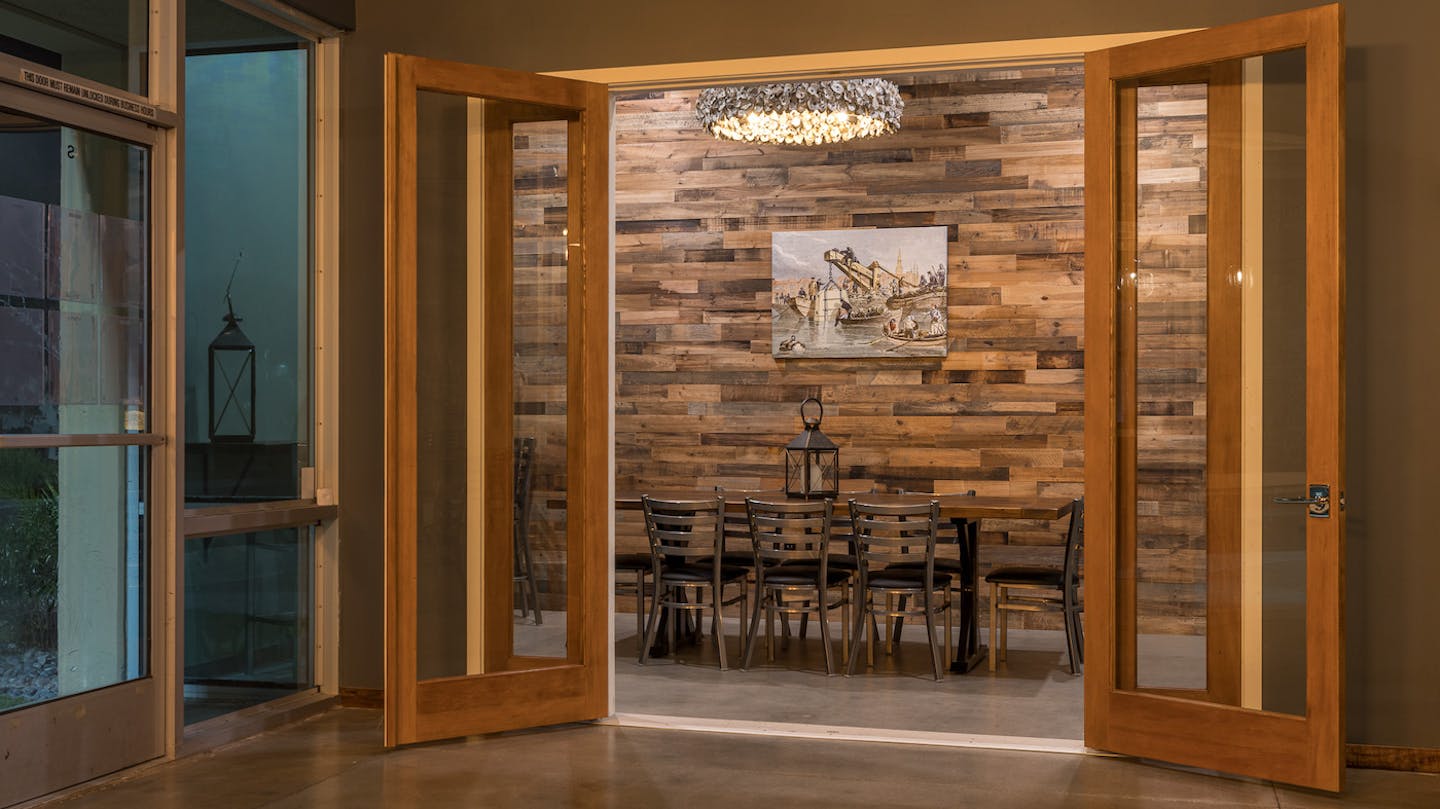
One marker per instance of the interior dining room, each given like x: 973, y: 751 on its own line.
x: 564, y: 403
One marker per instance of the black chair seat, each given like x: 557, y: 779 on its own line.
x: 801, y: 574
x: 632, y: 561
x: 893, y: 578
x: 1021, y: 574
x: 702, y: 573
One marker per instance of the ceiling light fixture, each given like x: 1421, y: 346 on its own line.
x: 808, y: 112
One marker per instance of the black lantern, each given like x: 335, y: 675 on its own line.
x: 812, y: 460
x: 232, y: 382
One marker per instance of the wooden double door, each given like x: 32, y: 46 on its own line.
x: 1214, y: 399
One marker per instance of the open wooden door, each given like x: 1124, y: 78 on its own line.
x: 1214, y: 397
x: 497, y: 489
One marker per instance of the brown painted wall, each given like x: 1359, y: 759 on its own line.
x: 1394, y: 370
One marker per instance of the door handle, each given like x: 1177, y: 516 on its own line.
x: 1318, y: 501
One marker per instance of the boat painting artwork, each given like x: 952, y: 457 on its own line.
x: 858, y: 293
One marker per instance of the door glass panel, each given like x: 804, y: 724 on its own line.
x: 1275, y: 417
x: 1220, y: 387
x: 247, y: 620
x: 541, y: 228
x: 74, y: 263
x: 106, y: 42
x: 73, y: 562
x: 1170, y: 359
x: 493, y: 217
x: 448, y: 620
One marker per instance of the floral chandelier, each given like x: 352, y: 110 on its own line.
x: 808, y: 112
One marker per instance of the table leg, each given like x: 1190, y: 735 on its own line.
x: 968, y: 652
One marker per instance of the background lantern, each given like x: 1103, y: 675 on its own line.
x: 232, y: 382
x: 812, y: 460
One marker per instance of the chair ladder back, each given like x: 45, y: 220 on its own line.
x: 790, y: 531
x: 683, y: 530
x: 1074, y: 542
x: 888, y: 534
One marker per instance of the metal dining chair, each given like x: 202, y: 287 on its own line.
x: 1024, y: 588
x: 687, y: 539
x: 886, y: 535
x: 792, y: 574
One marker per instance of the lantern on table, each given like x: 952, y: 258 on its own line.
x: 812, y: 460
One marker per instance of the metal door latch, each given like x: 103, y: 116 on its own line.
x: 1318, y: 501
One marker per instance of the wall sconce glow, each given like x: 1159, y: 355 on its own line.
x: 806, y: 112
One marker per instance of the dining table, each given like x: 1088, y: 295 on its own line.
x: 964, y: 511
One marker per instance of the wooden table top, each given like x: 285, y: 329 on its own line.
x: 952, y: 506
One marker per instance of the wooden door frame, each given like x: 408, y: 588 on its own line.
x: 1222, y: 737
x: 566, y: 690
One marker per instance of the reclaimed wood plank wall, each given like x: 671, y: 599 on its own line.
x: 994, y: 155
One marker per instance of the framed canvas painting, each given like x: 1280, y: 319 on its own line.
x: 859, y: 293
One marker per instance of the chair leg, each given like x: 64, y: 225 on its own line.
x: 994, y: 630
x: 949, y: 602
x: 929, y: 606
x: 897, y: 627
x: 858, y: 633
x: 845, y: 612
x: 824, y: 618
x: 1004, y: 633
x: 650, y: 631
x: 754, y: 621
x: 640, y: 604
x: 717, y: 594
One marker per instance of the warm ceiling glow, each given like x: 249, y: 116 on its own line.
x: 801, y: 112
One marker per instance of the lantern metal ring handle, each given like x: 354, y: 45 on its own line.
x: 812, y: 422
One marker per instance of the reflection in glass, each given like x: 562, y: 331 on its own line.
x: 493, y: 219
x: 541, y: 226
x: 449, y: 623
x: 105, y: 42
x: 73, y: 562
x: 247, y: 620
x: 1170, y: 386
x: 74, y: 262
x: 1275, y: 291
x: 1220, y: 359
x: 247, y: 263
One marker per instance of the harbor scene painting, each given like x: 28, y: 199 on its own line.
x: 859, y: 293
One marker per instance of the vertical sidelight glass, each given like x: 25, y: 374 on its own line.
x: 540, y: 302
x: 1213, y: 303
x: 493, y: 380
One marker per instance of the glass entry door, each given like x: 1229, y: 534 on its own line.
x: 82, y: 475
x: 1214, y: 398
x: 497, y: 492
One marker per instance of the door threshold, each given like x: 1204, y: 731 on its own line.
x: 839, y: 733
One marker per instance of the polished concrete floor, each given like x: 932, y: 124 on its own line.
x: 1032, y: 694
x: 335, y: 760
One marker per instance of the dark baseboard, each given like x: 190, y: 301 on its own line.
x: 362, y: 698
x: 1381, y: 757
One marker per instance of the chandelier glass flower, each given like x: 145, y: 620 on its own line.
x: 808, y: 112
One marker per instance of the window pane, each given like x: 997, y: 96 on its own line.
x: 106, y: 42
x: 247, y: 234
x: 74, y: 266
x: 73, y: 561
x: 247, y: 620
